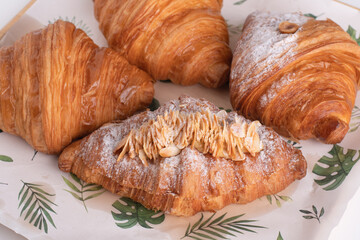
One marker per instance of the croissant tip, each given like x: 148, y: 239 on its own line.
x: 217, y: 75
x: 331, y: 130
x: 300, y: 166
x: 68, y: 156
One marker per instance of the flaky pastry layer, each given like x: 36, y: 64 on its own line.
x: 191, y: 181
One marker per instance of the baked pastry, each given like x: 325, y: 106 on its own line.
x: 296, y: 74
x: 187, y: 156
x: 184, y: 41
x: 58, y: 85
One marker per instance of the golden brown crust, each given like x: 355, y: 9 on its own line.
x: 302, y: 84
x: 57, y: 85
x: 191, y: 181
x: 184, y: 41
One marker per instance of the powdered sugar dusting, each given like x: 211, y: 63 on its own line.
x: 262, y: 48
x: 275, y: 87
x: 104, y: 140
x: 191, y: 175
x: 111, y: 134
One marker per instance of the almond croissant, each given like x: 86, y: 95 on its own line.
x: 57, y: 85
x: 184, y: 41
x: 296, y: 74
x: 185, y: 157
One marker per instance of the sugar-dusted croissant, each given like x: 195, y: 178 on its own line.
x: 184, y: 41
x: 186, y: 157
x: 296, y: 74
x: 57, y: 85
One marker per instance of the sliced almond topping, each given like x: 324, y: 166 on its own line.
x: 288, y: 27
x: 208, y: 132
x: 239, y: 129
x: 222, y: 114
x: 169, y: 151
x: 199, y: 146
x: 142, y: 157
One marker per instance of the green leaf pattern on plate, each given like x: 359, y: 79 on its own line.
x: 355, y: 119
x: 295, y: 144
x: 311, y: 15
x: 78, y: 24
x: 239, y: 2
x: 165, y: 81
x: 277, y: 199
x: 220, y: 227
x: 130, y: 213
x: 279, y: 237
x: 352, y: 32
x: 4, y: 158
x: 34, y: 155
x: 234, y: 29
x: 155, y: 104
x: 227, y: 110
x: 36, y: 205
x: 335, y: 169
x: 314, y: 214
x: 85, y: 191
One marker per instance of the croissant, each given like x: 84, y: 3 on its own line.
x: 296, y: 74
x: 184, y: 41
x: 185, y: 157
x: 57, y: 85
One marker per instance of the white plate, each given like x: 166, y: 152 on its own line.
x: 351, y: 3
x: 74, y: 222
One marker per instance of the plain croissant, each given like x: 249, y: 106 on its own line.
x: 192, y: 172
x: 296, y: 74
x: 184, y: 41
x: 57, y: 85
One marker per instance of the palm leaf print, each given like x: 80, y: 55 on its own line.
x: 4, y: 158
x: 280, y: 237
x: 35, y: 153
x: 352, y: 32
x: 313, y: 15
x: 83, y: 191
x: 334, y: 169
x: 310, y: 15
x: 355, y: 119
x: 234, y: 29
x: 36, y: 205
x: 277, y: 199
x: 165, y: 81
x: 155, y: 104
x: 227, y: 110
x: 314, y: 214
x: 295, y: 144
x: 78, y: 24
x: 219, y: 227
x: 130, y: 213
x: 239, y: 2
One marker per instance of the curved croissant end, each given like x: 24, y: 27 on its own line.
x: 184, y: 41
x: 57, y: 85
x: 297, y: 75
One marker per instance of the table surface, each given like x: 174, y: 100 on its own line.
x: 11, y: 10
